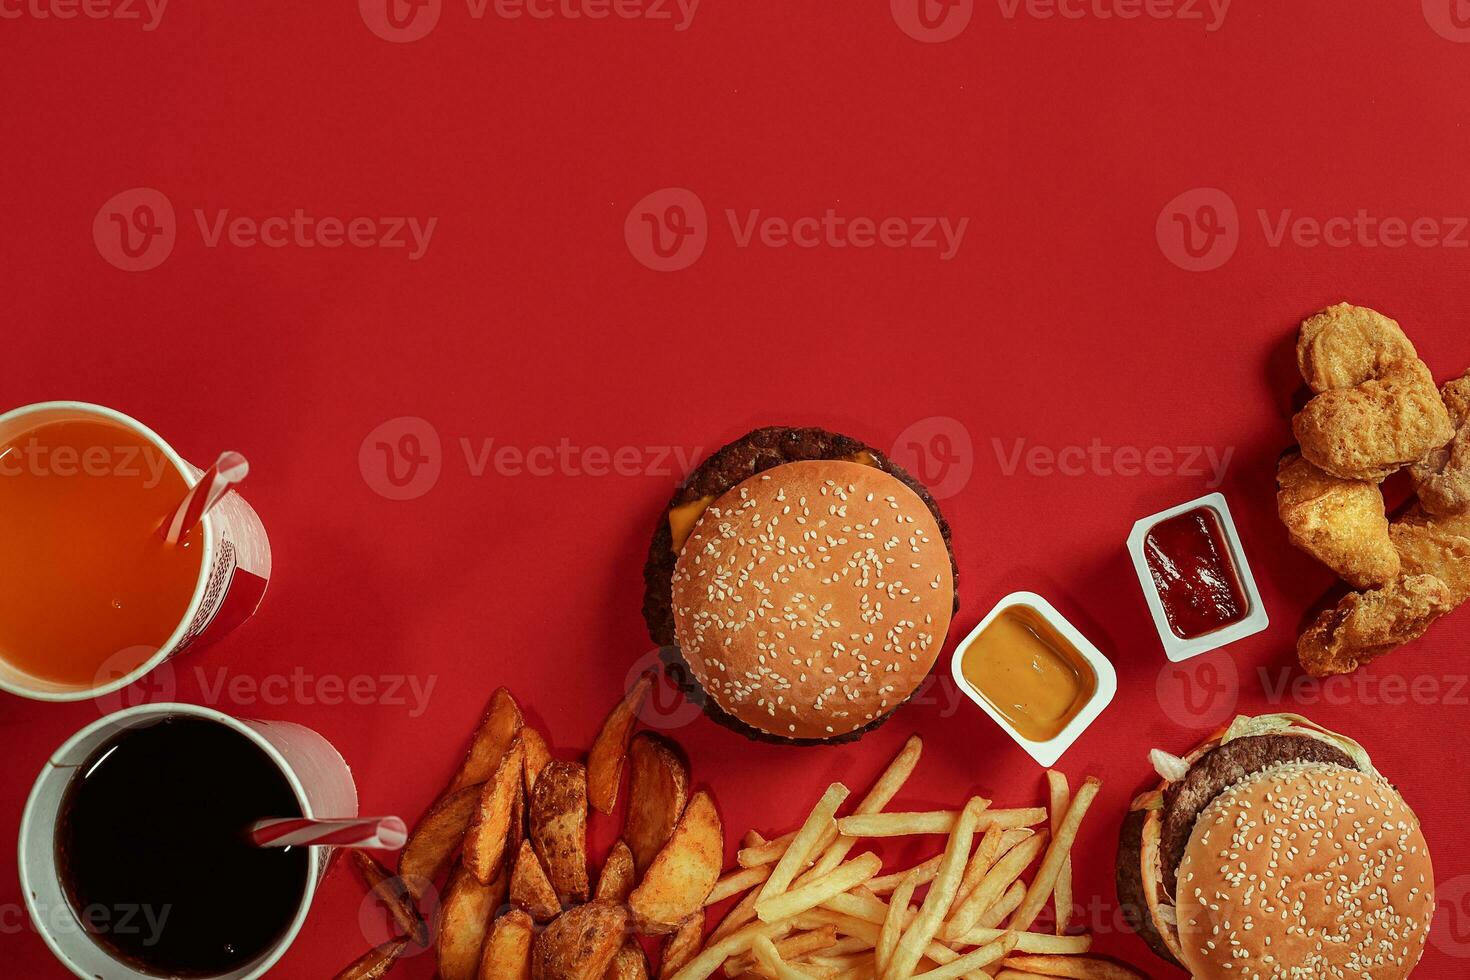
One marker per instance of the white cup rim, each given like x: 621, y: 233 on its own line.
x: 29, y: 816
x: 201, y: 587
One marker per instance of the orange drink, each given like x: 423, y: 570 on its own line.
x: 86, y: 580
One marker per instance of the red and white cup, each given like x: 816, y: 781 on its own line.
x: 315, y: 770
x: 233, y: 573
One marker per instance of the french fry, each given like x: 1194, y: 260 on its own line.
x: 794, y: 947
x: 736, y: 882
x: 559, y: 828
x: 878, y: 798
x: 814, y: 893
x: 1051, y: 866
x: 658, y: 790
x: 742, y: 915
x: 616, y: 882
x: 887, y: 884
x: 1061, y: 797
x: 507, y: 953
x: 941, y: 895
x: 1002, y: 909
x: 581, y: 944
x: 1030, y: 942
x: 682, y: 945
x: 894, y: 922
x: 972, y: 961
x: 869, y: 908
x: 464, y: 921
x: 393, y: 893
x: 933, y: 822
x: 867, y: 931
x: 768, y: 852
x: 530, y: 889
x: 537, y: 756
x: 489, y: 830
x: 434, y: 840
x: 375, y: 963
x: 501, y: 724
x: 753, y: 838
x: 993, y: 885
x: 684, y: 873
x: 605, y: 761
x: 804, y: 844
x: 765, y: 952
x: 715, y: 954
x: 1071, y: 967
x: 980, y: 862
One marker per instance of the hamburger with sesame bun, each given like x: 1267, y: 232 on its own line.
x: 801, y: 586
x: 1276, y: 850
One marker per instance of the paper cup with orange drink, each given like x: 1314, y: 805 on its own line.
x: 115, y: 552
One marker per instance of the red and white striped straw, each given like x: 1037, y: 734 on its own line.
x: 373, y: 833
x: 228, y: 470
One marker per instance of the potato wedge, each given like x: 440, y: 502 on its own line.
x: 464, y: 920
x: 484, y: 843
x: 581, y: 943
x: 530, y: 889
x: 538, y: 754
x: 375, y: 963
x: 559, y: 828
x: 682, y: 945
x: 605, y: 761
x: 392, y: 892
x: 629, y: 964
x: 501, y: 724
x: 616, y: 882
x: 434, y: 840
x: 507, y: 953
x: 658, y: 789
x: 684, y: 873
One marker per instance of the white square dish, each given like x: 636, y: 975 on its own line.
x: 1048, y: 752
x: 1177, y: 648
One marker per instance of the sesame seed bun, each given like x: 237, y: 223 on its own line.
x: 813, y: 598
x: 1305, y: 868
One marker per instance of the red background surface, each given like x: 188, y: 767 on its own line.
x: 1061, y: 320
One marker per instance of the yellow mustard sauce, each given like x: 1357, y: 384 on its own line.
x: 1029, y: 673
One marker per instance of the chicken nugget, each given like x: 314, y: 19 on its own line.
x: 1366, y: 625
x: 1345, y: 345
x: 1341, y: 523
x: 1377, y: 428
x: 1442, y: 478
x: 1428, y: 545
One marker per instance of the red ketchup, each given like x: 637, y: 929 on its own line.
x: 1194, y: 573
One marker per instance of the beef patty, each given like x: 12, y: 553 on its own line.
x: 1218, y: 770
x: 1128, y: 876
x: 725, y: 469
